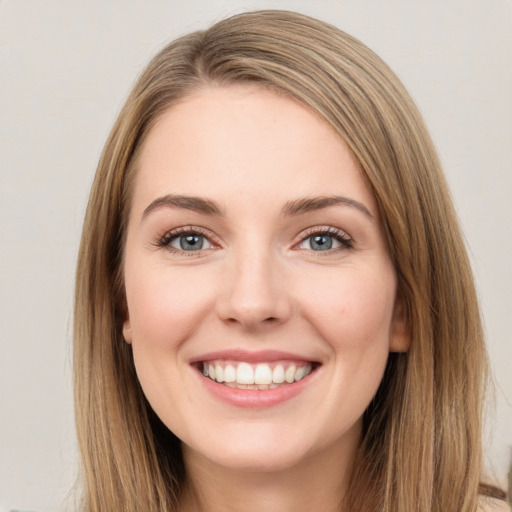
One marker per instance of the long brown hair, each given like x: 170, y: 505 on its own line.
x: 421, y: 449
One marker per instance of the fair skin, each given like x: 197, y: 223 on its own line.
x: 263, y: 275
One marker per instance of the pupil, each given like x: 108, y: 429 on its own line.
x: 191, y: 242
x: 321, y: 242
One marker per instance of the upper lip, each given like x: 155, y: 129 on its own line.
x: 260, y: 356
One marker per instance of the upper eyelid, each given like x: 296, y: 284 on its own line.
x: 330, y: 230
x: 187, y: 229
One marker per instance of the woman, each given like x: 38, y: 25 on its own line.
x: 274, y: 306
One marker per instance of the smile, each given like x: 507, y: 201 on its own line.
x: 261, y: 376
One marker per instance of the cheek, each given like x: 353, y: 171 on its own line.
x: 165, y: 304
x: 352, y: 310
x: 165, y: 307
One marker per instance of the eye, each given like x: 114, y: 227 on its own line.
x: 190, y: 242
x: 185, y: 239
x: 322, y: 240
x: 319, y: 243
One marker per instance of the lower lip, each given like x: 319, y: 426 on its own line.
x: 255, y: 398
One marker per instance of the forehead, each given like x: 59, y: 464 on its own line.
x: 241, y: 140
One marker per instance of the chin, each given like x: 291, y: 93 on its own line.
x: 259, y: 453
x: 255, y: 461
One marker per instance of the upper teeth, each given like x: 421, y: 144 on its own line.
x: 260, y: 374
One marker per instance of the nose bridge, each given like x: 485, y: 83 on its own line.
x: 254, y: 290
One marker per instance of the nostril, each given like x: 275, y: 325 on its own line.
x: 269, y: 320
x: 252, y: 308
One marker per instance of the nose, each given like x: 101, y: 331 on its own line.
x: 254, y: 294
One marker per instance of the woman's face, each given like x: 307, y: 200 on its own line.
x: 255, y: 255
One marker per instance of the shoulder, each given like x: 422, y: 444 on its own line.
x: 492, y: 505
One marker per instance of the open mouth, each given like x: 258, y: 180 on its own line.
x: 262, y: 376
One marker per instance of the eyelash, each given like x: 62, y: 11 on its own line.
x: 337, y: 234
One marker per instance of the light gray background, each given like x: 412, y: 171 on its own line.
x: 66, y: 67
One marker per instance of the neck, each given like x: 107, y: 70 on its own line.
x: 317, y: 483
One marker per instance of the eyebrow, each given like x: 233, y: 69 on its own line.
x: 309, y: 204
x: 291, y: 208
x: 196, y: 204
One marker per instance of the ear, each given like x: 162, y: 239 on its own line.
x: 127, y: 331
x: 127, y: 326
x: 399, y: 336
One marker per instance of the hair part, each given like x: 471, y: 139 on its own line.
x: 421, y: 449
